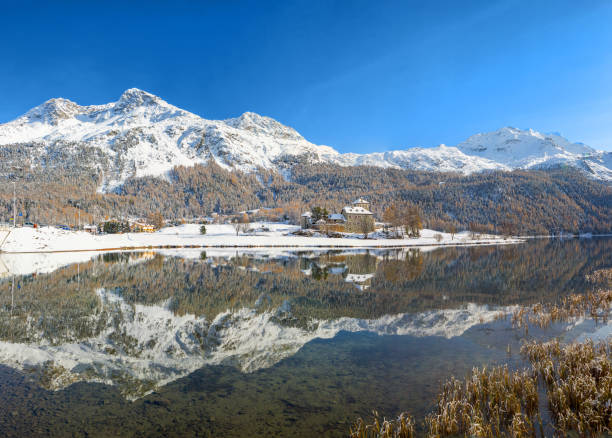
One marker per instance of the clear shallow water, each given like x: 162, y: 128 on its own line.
x: 255, y: 344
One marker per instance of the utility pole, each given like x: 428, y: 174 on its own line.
x: 12, y: 294
x: 14, y: 207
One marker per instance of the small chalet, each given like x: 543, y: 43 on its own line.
x: 92, y: 229
x: 141, y: 227
x: 336, y: 218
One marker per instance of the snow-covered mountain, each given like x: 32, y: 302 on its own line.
x: 142, y: 135
x: 529, y: 149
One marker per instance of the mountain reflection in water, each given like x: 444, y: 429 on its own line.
x: 140, y: 320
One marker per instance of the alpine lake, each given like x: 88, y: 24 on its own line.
x: 260, y: 344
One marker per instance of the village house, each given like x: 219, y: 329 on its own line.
x: 92, y: 229
x: 354, y: 218
x: 336, y: 218
x: 358, y: 216
x: 141, y: 227
x: 306, y: 220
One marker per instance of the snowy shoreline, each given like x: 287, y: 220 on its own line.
x: 51, y: 239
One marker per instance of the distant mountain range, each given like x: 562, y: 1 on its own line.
x: 142, y: 135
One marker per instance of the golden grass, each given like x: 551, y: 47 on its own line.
x: 601, y: 276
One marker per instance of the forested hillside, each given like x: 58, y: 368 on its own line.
x: 521, y: 201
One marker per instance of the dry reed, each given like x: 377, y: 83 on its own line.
x: 402, y: 427
x: 496, y: 402
x: 489, y: 403
x: 593, y: 304
x: 578, y: 379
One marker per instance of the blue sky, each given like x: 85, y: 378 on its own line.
x: 359, y: 76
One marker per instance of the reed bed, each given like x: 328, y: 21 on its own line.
x: 593, y: 304
x: 576, y: 380
x: 601, y: 276
x: 488, y: 403
x: 402, y: 427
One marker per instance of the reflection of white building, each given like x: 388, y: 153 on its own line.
x: 358, y: 278
x: 361, y: 281
x: 357, y: 269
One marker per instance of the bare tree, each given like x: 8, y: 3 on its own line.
x: 237, y: 227
x: 157, y: 220
x: 240, y: 227
x: 411, y: 219
x: 365, y: 226
x: 474, y: 230
x: 453, y: 231
x: 241, y: 223
x: 392, y: 218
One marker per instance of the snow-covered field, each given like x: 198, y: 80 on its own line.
x: 49, y: 239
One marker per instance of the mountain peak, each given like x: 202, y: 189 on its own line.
x: 53, y: 110
x: 521, y: 148
x: 510, y: 129
x: 263, y: 125
x: 136, y: 93
x: 251, y: 118
x: 135, y: 97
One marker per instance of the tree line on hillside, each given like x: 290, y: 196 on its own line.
x: 532, y: 202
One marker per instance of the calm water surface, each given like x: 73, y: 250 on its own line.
x: 263, y: 344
